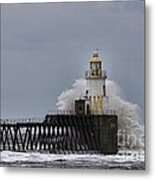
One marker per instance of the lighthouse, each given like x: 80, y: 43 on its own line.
x: 95, y: 100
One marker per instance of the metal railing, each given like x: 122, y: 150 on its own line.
x: 22, y: 120
x: 95, y: 74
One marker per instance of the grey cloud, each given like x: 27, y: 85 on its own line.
x: 46, y: 46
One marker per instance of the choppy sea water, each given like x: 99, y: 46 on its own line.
x: 128, y: 160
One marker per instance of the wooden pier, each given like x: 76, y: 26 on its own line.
x: 62, y: 134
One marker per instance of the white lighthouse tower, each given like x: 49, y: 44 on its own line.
x: 96, y: 100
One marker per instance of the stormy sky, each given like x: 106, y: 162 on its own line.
x: 46, y: 46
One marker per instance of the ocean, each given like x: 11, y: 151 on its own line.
x: 125, y: 160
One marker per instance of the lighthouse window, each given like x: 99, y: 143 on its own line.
x: 99, y: 65
x: 91, y: 65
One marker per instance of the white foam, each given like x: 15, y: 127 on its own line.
x: 133, y: 156
x: 128, y: 113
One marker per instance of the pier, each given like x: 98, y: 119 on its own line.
x: 60, y: 134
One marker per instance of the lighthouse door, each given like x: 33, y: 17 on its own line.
x: 88, y: 109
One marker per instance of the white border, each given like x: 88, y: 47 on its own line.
x: 26, y: 1
x: 70, y: 174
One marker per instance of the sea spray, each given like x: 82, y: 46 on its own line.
x: 67, y: 97
x: 130, y: 132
